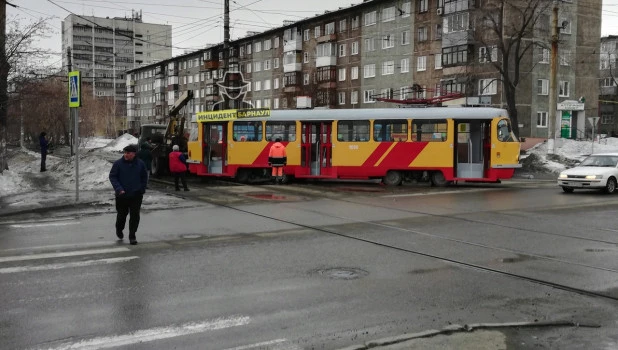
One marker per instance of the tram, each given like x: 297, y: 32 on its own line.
x: 440, y: 144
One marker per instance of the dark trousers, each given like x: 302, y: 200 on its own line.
x: 43, y: 159
x: 183, y: 178
x: 128, y: 205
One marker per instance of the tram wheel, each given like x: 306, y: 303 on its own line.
x: 392, y: 178
x: 242, y: 176
x: 437, y: 179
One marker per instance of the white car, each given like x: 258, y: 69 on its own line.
x: 598, y: 171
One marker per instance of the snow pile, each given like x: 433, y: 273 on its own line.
x: 568, y: 151
x: 93, y: 173
x: 120, y: 143
x: 94, y: 142
x: 12, y: 182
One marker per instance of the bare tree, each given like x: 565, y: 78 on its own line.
x: 20, y: 58
x: 509, y: 25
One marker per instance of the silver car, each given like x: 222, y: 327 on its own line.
x: 598, y: 171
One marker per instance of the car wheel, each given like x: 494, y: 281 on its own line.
x: 610, y: 187
x: 568, y: 189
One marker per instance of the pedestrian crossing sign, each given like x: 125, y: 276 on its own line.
x: 75, y: 89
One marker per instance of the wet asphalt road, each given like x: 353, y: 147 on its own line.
x: 313, y: 267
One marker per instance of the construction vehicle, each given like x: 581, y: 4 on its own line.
x: 164, y: 137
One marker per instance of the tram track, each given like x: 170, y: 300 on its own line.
x: 447, y: 259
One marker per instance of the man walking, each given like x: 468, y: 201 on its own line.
x: 129, y: 178
x: 44, y: 146
x: 277, y: 159
x: 178, y: 167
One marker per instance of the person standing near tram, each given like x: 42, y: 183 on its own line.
x: 277, y: 159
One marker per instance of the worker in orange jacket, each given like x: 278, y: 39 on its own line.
x: 277, y: 159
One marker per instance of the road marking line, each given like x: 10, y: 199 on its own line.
x: 437, y: 193
x: 256, y: 345
x: 66, y: 265
x: 152, y: 334
x: 56, y: 246
x: 62, y: 254
x: 47, y: 224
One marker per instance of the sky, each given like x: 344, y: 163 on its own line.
x: 196, y: 23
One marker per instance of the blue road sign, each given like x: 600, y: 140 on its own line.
x: 75, y: 89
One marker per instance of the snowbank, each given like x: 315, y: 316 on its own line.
x: 120, y: 143
x: 568, y: 151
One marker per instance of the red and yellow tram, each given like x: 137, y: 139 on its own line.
x: 441, y: 144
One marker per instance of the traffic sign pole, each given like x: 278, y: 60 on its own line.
x: 75, y: 101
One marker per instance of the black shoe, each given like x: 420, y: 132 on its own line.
x: 119, y: 234
x: 42, y: 170
x: 133, y: 242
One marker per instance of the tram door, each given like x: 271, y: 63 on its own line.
x: 316, y: 148
x: 472, y: 148
x: 215, y: 147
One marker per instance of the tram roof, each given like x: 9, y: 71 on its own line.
x: 384, y: 113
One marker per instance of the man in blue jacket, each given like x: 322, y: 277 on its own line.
x: 129, y: 178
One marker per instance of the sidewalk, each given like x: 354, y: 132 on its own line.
x: 531, y: 142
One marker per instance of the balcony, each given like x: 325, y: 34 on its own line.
x: 292, y: 67
x: 327, y: 38
x: 292, y: 45
x: 212, y: 64
x: 289, y: 89
x: 325, y: 61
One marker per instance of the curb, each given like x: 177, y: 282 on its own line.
x: 46, y: 208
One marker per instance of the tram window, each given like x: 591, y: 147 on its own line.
x: 390, y: 130
x: 505, y: 134
x: 429, y: 130
x: 248, y: 131
x: 193, y: 132
x: 353, y: 131
x: 285, y: 130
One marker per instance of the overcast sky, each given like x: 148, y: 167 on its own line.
x: 196, y: 23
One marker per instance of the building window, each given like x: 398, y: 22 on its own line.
x: 267, y: 65
x: 369, y: 45
x: 422, y: 33
x: 423, y: 6
x: 388, y: 14
x: 354, y: 73
x: 438, y: 61
x: 544, y: 53
x: 386, y: 93
x: 405, y: 9
x: 564, y: 90
x: 369, y: 71
x: 267, y: 84
x: 355, y: 22
x: 405, y: 65
x: 276, y: 62
x: 329, y: 28
x: 405, y: 37
x: 607, y: 119
x: 388, y: 41
x: 487, y: 87
x: 306, y: 79
x: 565, y: 57
x: 438, y: 32
x: 566, y: 29
x: 541, y: 119
x: 488, y: 54
x: 257, y: 86
x: 455, y: 55
x: 354, y: 97
x: 543, y: 87
x: 355, y: 48
x: 457, y: 22
x: 370, y: 18
x: 276, y: 104
x: 317, y: 32
x: 267, y: 44
x: 342, y: 25
x: 257, y: 66
x: 369, y: 96
x: 341, y: 96
x: 341, y: 50
x: 305, y: 57
x: 342, y: 74
x: 306, y: 35
x: 421, y: 63
x: 276, y: 42
x: 388, y: 68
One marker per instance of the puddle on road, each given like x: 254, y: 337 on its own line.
x: 342, y: 273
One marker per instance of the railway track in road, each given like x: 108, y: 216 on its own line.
x: 448, y: 259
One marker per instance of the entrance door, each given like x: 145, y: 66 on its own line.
x: 316, y: 148
x: 473, y: 137
x: 215, y: 147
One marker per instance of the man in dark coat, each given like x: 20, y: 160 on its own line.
x: 129, y: 178
x: 44, y: 147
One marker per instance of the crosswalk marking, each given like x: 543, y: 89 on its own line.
x: 47, y: 224
x: 152, y: 334
x: 59, y: 246
x: 65, y: 265
x: 62, y: 254
x: 272, y: 344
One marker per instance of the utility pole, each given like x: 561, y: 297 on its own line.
x: 4, y: 73
x: 226, y: 45
x: 553, y: 91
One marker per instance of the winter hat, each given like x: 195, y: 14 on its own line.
x: 175, y: 148
x: 130, y: 148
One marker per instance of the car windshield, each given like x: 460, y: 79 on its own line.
x: 600, y: 161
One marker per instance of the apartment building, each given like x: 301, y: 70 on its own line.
x: 105, y: 48
x: 608, y: 85
x: 383, y: 53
